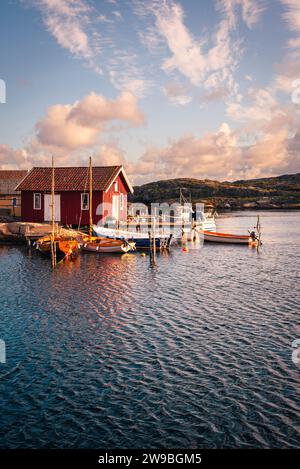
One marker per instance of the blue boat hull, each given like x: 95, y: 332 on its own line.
x: 141, y: 242
x: 144, y: 243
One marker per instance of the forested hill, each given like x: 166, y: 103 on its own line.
x: 275, y: 192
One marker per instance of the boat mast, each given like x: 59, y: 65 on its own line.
x: 53, y: 246
x: 91, y: 198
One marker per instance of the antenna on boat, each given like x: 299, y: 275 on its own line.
x: 53, y: 245
x: 91, y: 198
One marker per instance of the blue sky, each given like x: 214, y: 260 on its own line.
x: 190, y: 88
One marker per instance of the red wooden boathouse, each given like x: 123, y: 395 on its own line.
x: 110, y: 188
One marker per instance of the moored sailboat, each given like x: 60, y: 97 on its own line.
x: 57, y: 246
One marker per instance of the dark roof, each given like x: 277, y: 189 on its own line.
x: 12, y: 174
x: 69, y: 178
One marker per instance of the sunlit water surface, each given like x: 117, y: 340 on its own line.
x: 197, y: 352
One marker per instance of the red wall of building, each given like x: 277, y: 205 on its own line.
x: 28, y: 214
x: 71, y: 206
x: 70, y: 203
x: 107, y: 197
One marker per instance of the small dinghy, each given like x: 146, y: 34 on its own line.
x: 214, y: 237
x: 97, y: 244
x: 62, y: 247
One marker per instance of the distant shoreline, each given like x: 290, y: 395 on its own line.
x: 262, y: 209
x: 275, y: 193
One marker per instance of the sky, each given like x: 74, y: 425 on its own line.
x: 208, y: 89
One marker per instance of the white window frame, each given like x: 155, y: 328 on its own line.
x: 34, y: 204
x: 116, y: 186
x: 85, y: 194
x: 121, y: 201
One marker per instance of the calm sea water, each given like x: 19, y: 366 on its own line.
x: 197, y: 352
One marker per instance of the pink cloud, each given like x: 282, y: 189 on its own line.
x: 79, y: 125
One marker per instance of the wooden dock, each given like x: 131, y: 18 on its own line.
x: 21, y: 232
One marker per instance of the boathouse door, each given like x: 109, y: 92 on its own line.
x: 48, y: 209
x: 115, y: 207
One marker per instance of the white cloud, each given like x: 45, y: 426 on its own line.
x: 87, y: 32
x: 104, y: 19
x: 125, y: 80
x: 186, y: 55
x: 263, y: 144
x: 151, y: 40
x: 220, y: 155
x: 11, y: 158
x: 262, y: 108
x: 117, y: 14
x: 109, y: 154
x: 79, y: 125
x: 177, y: 93
x: 251, y: 10
x: 216, y: 155
x: 67, y: 21
x: 213, y: 155
x: 208, y: 62
x: 126, y: 75
x: 289, y: 69
x: 292, y: 14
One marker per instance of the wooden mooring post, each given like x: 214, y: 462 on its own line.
x: 152, y: 243
x: 52, y: 237
x: 258, y: 228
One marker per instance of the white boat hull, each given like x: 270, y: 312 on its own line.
x: 139, y: 239
x: 108, y: 246
x: 229, y: 239
x: 98, y: 249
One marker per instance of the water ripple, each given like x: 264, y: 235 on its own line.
x: 107, y: 352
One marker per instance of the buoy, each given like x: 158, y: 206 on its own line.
x: 253, y: 244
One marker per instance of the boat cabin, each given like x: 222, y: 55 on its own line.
x: 110, y: 186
